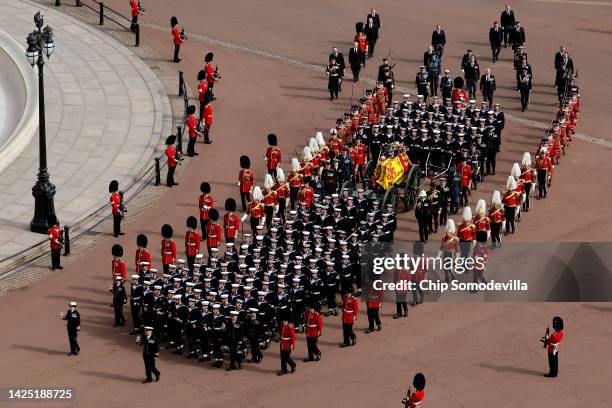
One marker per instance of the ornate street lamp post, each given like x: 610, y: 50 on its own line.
x: 40, y: 44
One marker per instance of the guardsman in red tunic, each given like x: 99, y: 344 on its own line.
x: 360, y: 155
x: 208, y: 122
x: 256, y: 209
x: 511, y: 201
x: 205, y: 203
x: 172, y: 160
x: 214, y: 232
x: 177, y: 39
x: 528, y: 177
x: 281, y: 190
x: 315, y: 162
x: 245, y: 181
x: 168, y: 247
x: 231, y: 222
x: 305, y: 195
x: 192, y: 127
x: 374, y: 301
x: 134, y: 5
x: 295, y: 179
x: 350, y: 309
x: 273, y: 155
x: 323, y: 149
x: 459, y: 96
x: 203, y: 94
x: 415, y: 399
x: 142, y: 254
x: 116, y: 203
x: 449, y: 247
x: 287, y: 344
x: 56, y: 242
x: 520, y: 189
x: 551, y: 343
x: 307, y: 157
x: 314, y: 328
x: 482, y: 223
x: 117, y: 266
x: 192, y: 241
x: 466, y: 233
x: 334, y: 143
x: 465, y: 173
x: 269, y: 199
x: 211, y: 74
x: 543, y: 168
x: 497, y: 216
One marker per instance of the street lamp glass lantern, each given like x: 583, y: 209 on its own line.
x: 49, y: 46
x: 32, y: 56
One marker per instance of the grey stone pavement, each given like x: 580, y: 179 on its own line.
x: 106, y: 111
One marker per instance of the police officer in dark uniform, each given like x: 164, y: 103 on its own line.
x: 150, y: 350
x: 73, y: 325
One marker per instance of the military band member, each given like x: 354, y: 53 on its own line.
x: 466, y: 233
x: 551, y: 343
x: 350, y: 309
x: 333, y: 83
x: 496, y: 36
x: 73, y: 325
x: 150, y: 351
x: 168, y: 247
x: 497, y: 216
x: 295, y: 179
x: 119, y: 300
x: 245, y: 181
x: 287, y: 345
x: 116, y: 202
x: 487, y: 86
x: 192, y: 241
x: 543, y: 166
x: 314, y: 329
x: 511, y: 201
x: 176, y: 38
x: 171, y: 155
x: 56, y: 242
x: 507, y: 21
x: 481, y: 222
x: 449, y: 249
x: 415, y: 399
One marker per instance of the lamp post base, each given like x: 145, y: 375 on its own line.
x: 44, y: 208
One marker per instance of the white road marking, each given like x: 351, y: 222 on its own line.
x: 320, y: 68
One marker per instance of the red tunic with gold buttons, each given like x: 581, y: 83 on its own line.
x: 450, y: 243
x: 213, y: 234
x: 206, y: 202
x: 466, y: 231
x: 115, y: 202
x: 202, y: 89
x: 231, y: 225
x: 245, y: 177
x: 281, y: 190
x: 256, y: 209
x: 305, y: 195
x: 286, y: 337
x: 210, y: 73
x: 269, y: 198
x: 134, y: 6
x: 168, y: 251
x: 142, y: 255
x: 192, y: 243
x: 553, y: 342
x: 350, y: 308
x: 497, y: 215
x: 273, y: 157
x: 208, y: 115
x: 482, y: 224
x: 511, y: 198
x: 118, y: 268
x: 313, y: 323
x: 191, y: 123
x: 295, y: 179
x: 171, y: 155
x: 54, y: 235
x: 465, y: 171
x: 334, y: 145
x: 176, y: 35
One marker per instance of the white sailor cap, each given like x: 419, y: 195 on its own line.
x: 235, y: 285
x: 148, y: 328
x: 199, y: 256
x: 176, y: 297
x: 135, y: 276
x: 177, y: 279
x: 212, y: 293
x: 253, y: 309
x: 190, y: 284
x: 153, y: 270
x: 172, y: 266
x: 296, y: 280
x: 234, y: 313
x: 216, y: 306
x: 192, y: 299
x: 180, y: 260
x: 197, y: 290
x: 73, y: 304
x: 146, y: 282
x: 144, y: 263
x: 205, y: 303
x: 261, y: 293
x: 157, y: 287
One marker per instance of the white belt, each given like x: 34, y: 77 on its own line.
x: 285, y: 338
x: 312, y: 325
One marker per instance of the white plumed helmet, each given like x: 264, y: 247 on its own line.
x: 257, y: 194
x: 496, y: 198
x: 307, y: 154
x: 450, y: 226
x: 526, y: 159
x: 481, y: 207
x: 295, y: 164
x: 320, y: 140
x: 516, y: 170
x: 510, y: 183
x: 543, y: 150
x: 268, y: 182
x: 313, y: 145
x: 467, y: 214
x: 280, y: 174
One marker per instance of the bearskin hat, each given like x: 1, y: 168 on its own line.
x: 167, y: 231
x: 191, y: 109
x: 201, y: 75
x: 245, y: 162
x: 419, y: 382
x: 230, y: 205
x: 557, y: 323
x: 170, y: 140
x: 209, y: 57
x: 213, y: 214
x: 52, y: 220
x: 359, y: 27
x: 173, y: 21
x: 113, y: 186
x: 272, y: 140
x: 205, y: 187
x: 142, y: 240
x: 458, y: 83
x: 192, y: 222
x: 117, y: 250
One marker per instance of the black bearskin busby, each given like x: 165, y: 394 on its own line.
x: 117, y: 250
x: 142, y: 240
x: 170, y: 140
x: 230, y: 205
x: 245, y: 162
x: 167, y: 231
x: 359, y: 27
x: 52, y: 220
x: 205, y: 187
x: 557, y: 323
x: 272, y: 140
x: 419, y: 382
x: 113, y: 186
x: 209, y: 57
x: 173, y: 21
x: 201, y: 75
x: 458, y: 83
x: 191, y: 109
x: 213, y: 214
x: 192, y: 222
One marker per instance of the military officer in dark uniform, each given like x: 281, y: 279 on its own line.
x: 446, y: 86
x: 422, y: 211
x: 422, y: 82
x: 252, y: 330
x: 525, y: 88
x: 73, y: 325
x: 234, y: 334
x: 119, y: 299
x: 150, y: 350
x: 136, y: 295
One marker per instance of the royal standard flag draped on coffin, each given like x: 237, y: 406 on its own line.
x: 390, y: 171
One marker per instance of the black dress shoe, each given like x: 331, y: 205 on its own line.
x: 157, y: 377
x: 281, y: 373
x: 293, y: 369
x: 369, y: 331
x: 146, y: 381
x: 344, y: 345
